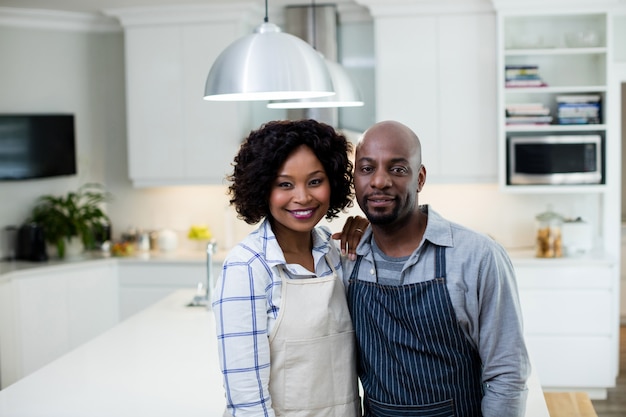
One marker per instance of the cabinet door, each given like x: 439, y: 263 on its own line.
x: 154, y: 83
x: 174, y: 136
x: 570, y: 323
x: 58, y: 309
x: 43, y: 326
x: 407, y: 79
x: 142, y: 284
x: 93, y: 302
x: 213, y: 130
x: 8, y: 339
x: 442, y: 84
x: 468, y: 132
x: 574, y: 363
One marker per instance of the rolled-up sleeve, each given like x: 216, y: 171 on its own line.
x: 506, y: 366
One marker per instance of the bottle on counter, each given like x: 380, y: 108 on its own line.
x: 143, y: 241
x: 549, y: 243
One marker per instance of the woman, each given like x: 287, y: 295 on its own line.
x: 285, y: 337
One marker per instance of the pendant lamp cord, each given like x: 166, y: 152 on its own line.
x: 314, y: 12
x: 266, y: 19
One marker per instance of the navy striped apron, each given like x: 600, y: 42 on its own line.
x: 414, y: 359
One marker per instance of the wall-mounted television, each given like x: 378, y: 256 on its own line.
x: 36, y: 146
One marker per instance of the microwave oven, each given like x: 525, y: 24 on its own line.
x: 555, y: 160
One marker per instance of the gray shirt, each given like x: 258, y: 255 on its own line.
x: 481, y: 283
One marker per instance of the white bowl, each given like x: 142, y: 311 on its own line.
x: 582, y: 39
x: 528, y: 41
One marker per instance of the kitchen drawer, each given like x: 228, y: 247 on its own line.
x: 162, y: 274
x: 136, y: 299
x: 567, y: 312
x: 572, y: 362
x: 561, y: 275
x: 144, y: 283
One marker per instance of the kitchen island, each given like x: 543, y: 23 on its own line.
x: 160, y: 362
x: 49, y: 308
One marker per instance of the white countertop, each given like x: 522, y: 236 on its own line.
x: 526, y: 257
x: 160, y: 362
x: 10, y: 269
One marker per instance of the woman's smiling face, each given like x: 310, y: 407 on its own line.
x: 300, y: 195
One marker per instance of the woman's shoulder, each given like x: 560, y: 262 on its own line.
x: 323, y: 232
x: 260, y: 245
x: 322, y: 239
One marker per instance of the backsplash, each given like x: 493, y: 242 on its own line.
x: 508, y: 218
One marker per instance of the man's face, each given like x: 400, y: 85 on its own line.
x: 387, y: 176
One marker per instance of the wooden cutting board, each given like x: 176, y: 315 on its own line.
x: 569, y: 404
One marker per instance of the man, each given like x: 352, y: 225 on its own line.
x: 435, y: 305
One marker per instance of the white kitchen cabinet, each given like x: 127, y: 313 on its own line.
x: 142, y: 283
x: 419, y: 80
x: 174, y: 136
x: 154, y: 104
x: 46, y: 312
x: 571, y: 323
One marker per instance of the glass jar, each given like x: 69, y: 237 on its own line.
x: 549, y: 243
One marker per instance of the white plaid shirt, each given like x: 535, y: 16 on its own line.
x: 246, y: 302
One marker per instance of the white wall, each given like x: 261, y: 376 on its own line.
x: 83, y: 73
x: 56, y: 71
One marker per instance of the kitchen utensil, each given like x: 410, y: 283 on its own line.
x: 31, y: 243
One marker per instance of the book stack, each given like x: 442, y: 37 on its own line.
x: 523, y: 76
x: 527, y: 114
x: 578, y: 109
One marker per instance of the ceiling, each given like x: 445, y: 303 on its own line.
x: 95, y: 6
x: 92, y: 6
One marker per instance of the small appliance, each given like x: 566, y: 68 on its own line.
x: 31, y: 243
x: 577, y: 237
x: 555, y: 160
x: 10, y: 242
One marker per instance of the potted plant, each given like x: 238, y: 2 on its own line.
x: 77, y: 215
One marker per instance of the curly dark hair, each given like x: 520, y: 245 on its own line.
x: 265, y: 150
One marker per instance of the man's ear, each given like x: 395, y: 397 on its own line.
x: 421, y: 178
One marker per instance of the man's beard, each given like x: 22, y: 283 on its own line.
x: 382, y: 218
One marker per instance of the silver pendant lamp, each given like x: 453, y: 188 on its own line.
x: 347, y: 94
x: 268, y: 65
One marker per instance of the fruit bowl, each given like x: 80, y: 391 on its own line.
x: 123, y: 249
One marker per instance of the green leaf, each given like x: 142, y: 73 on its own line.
x: 78, y: 213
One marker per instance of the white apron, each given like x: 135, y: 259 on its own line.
x: 313, y: 351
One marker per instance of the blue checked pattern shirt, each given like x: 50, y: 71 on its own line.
x: 246, y: 302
